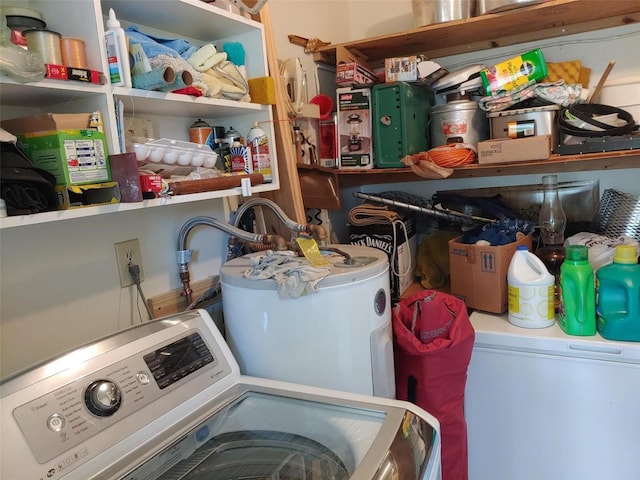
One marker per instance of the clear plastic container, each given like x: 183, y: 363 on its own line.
x: 172, y: 152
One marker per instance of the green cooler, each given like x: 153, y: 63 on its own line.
x: 400, y: 121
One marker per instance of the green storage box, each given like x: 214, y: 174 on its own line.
x: 400, y: 122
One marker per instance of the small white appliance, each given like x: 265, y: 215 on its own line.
x: 294, y: 82
x: 165, y: 400
x: 543, y: 404
x: 339, y: 337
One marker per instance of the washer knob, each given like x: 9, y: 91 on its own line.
x: 103, y: 398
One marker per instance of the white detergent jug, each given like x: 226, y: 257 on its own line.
x: 531, y: 287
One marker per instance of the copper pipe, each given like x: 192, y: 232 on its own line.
x: 315, y: 230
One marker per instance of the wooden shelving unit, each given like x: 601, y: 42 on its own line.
x: 551, y: 19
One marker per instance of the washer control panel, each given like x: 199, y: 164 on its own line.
x: 73, y: 413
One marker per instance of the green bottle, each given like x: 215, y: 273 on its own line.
x: 577, y: 312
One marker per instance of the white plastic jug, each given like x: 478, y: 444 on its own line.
x: 531, y: 287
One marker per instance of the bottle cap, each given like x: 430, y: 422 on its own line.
x: 112, y: 21
x: 576, y: 253
x: 522, y: 247
x: 625, y: 254
x: 200, y: 124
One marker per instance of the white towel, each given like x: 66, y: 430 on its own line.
x: 294, y: 276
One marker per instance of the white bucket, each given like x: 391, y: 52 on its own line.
x: 531, y: 287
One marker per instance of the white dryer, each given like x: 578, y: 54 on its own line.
x: 165, y: 400
x: 339, y: 337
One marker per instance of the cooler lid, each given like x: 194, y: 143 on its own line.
x: 367, y: 262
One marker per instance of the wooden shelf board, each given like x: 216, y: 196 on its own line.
x: 546, y: 20
x: 555, y: 164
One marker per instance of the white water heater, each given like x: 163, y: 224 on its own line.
x: 339, y: 337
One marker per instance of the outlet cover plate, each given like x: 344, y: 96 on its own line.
x: 128, y: 253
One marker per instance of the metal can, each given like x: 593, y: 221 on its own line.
x: 233, y: 138
x: 201, y: 132
x: 258, y: 143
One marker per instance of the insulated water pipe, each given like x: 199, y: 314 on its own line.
x: 310, y: 229
x: 184, y: 254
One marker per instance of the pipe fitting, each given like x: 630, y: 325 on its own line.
x: 317, y: 231
x: 184, y: 254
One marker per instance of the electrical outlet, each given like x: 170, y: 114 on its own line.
x: 128, y: 253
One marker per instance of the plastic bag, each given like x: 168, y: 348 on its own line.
x: 601, y: 248
x: 422, y: 166
x: 17, y: 63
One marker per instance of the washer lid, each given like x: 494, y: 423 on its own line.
x: 366, y: 262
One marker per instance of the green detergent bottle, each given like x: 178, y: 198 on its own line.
x: 618, y: 299
x: 576, y: 314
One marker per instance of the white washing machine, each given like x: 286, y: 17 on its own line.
x: 166, y: 400
x: 339, y: 338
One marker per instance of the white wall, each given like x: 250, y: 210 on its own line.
x: 60, y: 288
x: 58, y: 283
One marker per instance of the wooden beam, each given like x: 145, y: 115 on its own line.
x: 289, y: 196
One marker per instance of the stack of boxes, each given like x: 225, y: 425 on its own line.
x: 380, y: 123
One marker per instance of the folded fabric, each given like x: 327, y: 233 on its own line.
x: 178, y: 64
x: 223, y: 78
x: 293, y: 275
x: 206, y: 57
x: 221, y: 84
x: 154, y: 46
x: 558, y: 92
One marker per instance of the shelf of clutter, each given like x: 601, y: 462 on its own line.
x: 321, y: 186
x: 539, y: 21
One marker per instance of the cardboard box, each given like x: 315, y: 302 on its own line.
x: 76, y: 196
x: 381, y: 236
x: 60, y: 72
x: 401, y: 69
x: 506, y: 150
x: 479, y: 273
x: 328, y: 142
x: 352, y: 69
x: 354, y: 73
x: 151, y: 183
x: 64, y: 145
x: 354, y: 129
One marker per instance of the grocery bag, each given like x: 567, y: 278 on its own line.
x: 433, y: 340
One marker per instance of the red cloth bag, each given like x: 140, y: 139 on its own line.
x: 433, y: 340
